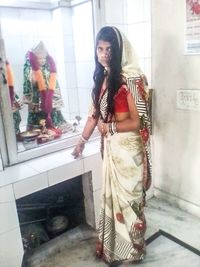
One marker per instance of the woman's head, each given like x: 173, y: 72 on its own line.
x: 123, y: 56
x: 108, y: 48
x: 108, y: 54
x: 112, y: 50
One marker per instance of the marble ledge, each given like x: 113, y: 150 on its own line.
x: 44, y: 167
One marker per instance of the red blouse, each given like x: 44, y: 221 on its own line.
x: 121, y: 103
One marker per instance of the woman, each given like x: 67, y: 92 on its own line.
x: 119, y: 110
x: 42, y: 91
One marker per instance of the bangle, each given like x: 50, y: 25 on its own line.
x: 104, y: 128
x: 112, y: 128
x: 82, y: 140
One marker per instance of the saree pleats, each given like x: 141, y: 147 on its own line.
x: 122, y: 223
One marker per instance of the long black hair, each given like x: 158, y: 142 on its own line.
x: 113, y: 36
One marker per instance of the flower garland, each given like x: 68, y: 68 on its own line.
x: 38, y: 73
x: 10, y: 81
x: 9, y: 75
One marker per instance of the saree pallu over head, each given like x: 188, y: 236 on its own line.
x: 137, y: 83
x: 139, y: 88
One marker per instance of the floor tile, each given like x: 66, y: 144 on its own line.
x: 162, y: 252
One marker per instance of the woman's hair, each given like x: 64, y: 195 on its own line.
x: 111, y: 35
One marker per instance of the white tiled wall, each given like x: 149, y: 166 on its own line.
x: 30, y: 185
x: 138, y: 19
x: 1, y: 163
x: 136, y: 37
x: 84, y: 54
x: 22, y: 29
x: 133, y: 18
x: 11, y: 250
x: 59, y: 42
x: 114, y: 12
x: 37, y: 174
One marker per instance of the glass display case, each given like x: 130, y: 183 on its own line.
x: 40, y: 119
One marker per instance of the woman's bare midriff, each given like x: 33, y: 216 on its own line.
x: 120, y: 116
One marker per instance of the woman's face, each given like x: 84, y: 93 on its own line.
x: 104, y: 53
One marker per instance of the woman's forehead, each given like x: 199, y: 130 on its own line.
x: 102, y: 43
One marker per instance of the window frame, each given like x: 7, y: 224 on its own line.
x: 8, y: 133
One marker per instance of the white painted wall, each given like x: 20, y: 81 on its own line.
x: 133, y: 18
x: 1, y: 163
x: 175, y: 132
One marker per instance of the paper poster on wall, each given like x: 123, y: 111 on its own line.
x: 192, y: 42
x: 188, y: 99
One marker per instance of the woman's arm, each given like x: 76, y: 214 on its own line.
x: 131, y: 121
x: 87, y: 132
x: 89, y: 127
x: 124, y: 121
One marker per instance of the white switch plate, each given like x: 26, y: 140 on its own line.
x: 188, y: 99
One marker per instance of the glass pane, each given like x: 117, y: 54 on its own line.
x: 49, y: 71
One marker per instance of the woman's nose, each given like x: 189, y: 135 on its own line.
x: 105, y: 54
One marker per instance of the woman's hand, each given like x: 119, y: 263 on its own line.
x: 78, y: 150
x: 79, y: 147
x: 102, y: 127
x: 87, y: 132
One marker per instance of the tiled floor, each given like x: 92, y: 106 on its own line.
x: 165, y: 252
x: 76, y: 248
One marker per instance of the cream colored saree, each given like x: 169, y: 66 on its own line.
x: 122, y: 223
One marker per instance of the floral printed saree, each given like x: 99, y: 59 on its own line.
x: 122, y: 223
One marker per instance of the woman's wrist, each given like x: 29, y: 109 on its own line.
x: 110, y: 127
x: 82, y: 140
x: 104, y: 128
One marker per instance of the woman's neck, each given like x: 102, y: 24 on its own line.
x: 104, y: 86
